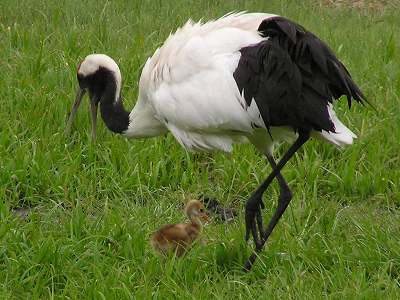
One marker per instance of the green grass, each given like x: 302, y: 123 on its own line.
x: 95, y: 205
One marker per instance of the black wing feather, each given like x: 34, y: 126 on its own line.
x: 293, y: 76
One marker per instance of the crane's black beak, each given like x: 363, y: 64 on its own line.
x: 78, y: 99
x: 93, y: 111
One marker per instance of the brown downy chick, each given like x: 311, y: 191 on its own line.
x: 177, y: 238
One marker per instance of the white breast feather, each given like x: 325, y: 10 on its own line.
x: 190, y: 82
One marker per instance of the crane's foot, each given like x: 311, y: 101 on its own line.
x: 254, y: 221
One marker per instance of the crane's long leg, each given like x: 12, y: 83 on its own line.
x: 254, y: 204
x: 284, y: 195
x: 284, y: 188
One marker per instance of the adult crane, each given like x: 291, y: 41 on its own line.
x: 246, y: 76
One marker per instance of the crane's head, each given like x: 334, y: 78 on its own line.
x: 94, y: 73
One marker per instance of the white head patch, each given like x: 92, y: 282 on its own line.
x: 93, y: 62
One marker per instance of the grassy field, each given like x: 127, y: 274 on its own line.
x: 92, y: 206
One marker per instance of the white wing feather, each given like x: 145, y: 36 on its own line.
x: 343, y: 135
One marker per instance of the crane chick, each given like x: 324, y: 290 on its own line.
x: 177, y: 238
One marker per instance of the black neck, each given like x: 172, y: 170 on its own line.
x: 112, y: 111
